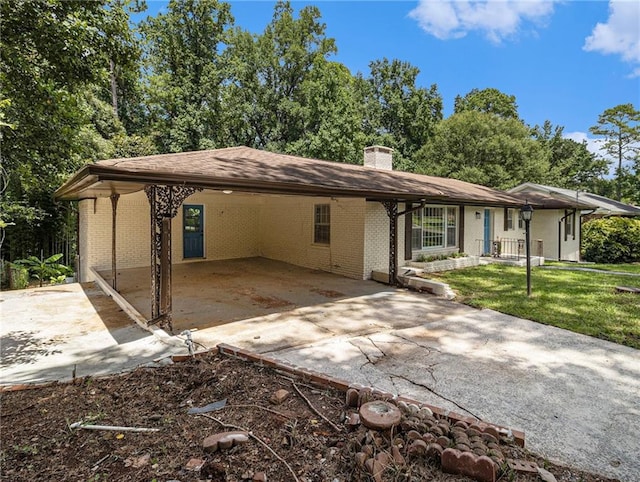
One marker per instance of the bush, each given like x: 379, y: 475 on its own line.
x: 611, y: 240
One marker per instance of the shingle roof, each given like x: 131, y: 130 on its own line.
x: 586, y: 200
x: 251, y: 170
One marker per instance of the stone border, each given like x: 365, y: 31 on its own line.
x: 324, y: 381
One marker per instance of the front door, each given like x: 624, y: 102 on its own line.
x: 487, y: 232
x: 193, y: 231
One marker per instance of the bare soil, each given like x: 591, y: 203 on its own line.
x: 304, y: 438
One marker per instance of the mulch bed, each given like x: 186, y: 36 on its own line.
x: 304, y: 435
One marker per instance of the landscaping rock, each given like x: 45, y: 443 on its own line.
x: 224, y: 440
x: 480, y: 468
x: 279, y: 396
x: 380, y: 415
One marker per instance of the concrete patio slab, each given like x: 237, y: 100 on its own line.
x: 47, y: 333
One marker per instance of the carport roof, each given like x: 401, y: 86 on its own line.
x: 244, y: 169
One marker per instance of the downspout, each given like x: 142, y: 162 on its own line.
x: 580, y: 241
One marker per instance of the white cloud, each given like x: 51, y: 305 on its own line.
x: 498, y: 20
x: 593, y: 145
x: 620, y: 35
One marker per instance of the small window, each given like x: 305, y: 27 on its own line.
x: 509, y: 219
x: 322, y: 224
x: 569, y: 226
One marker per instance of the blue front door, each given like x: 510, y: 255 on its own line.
x: 193, y: 232
x: 487, y: 231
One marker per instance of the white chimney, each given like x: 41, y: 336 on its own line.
x: 378, y: 157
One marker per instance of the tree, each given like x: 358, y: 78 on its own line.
x: 620, y: 127
x: 186, y: 73
x: 269, y: 101
x: 485, y: 149
x: 572, y: 165
x: 398, y: 113
x: 489, y: 101
x: 53, y: 51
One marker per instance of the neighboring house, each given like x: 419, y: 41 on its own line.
x: 241, y: 202
x: 564, y: 241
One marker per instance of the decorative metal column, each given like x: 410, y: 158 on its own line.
x: 392, y: 211
x: 114, y: 211
x: 164, y: 202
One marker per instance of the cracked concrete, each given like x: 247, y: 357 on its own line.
x: 576, y: 397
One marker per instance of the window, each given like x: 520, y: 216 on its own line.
x: 508, y: 219
x: 322, y: 224
x: 569, y: 225
x: 434, y: 227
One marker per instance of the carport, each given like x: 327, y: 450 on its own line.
x: 167, y: 180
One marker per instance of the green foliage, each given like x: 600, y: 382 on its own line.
x: 484, y: 149
x: 489, y: 101
x: 398, y: 113
x: 611, y: 240
x: 620, y: 127
x: 572, y: 165
x: 54, y: 55
x: 185, y: 73
x: 45, y: 269
x: 423, y: 258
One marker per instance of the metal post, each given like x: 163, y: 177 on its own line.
x: 114, y: 210
x: 528, y: 248
x: 392, y: 211
x: 164, y: 202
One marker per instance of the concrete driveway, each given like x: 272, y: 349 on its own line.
x: 46, y: 332
x: 577, y: 398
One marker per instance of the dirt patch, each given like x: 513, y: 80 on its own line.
x: 37, y: 443
x: 327, y: 293
x: 270, y: 301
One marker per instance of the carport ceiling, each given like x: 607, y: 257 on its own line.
x: 244, y: 169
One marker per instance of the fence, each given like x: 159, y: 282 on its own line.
x: 508, y: 248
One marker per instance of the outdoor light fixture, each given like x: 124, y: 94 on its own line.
x: 526, y: 213
x: 478, y: 215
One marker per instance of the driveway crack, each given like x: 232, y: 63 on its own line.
x: 428, y: 388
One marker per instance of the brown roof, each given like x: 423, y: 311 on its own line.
x: 251, y: 170
x: 546, y: 201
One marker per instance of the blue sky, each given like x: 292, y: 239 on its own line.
x: 564, y: 61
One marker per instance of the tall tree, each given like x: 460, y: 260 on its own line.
x: 620, y: 127
x: 186, y: 73
x: 53, y: 51
x: 269, y: 102
x: 571, y: 164
x: 484, y: 149
x: 490, y: 101
x: 397, y: 112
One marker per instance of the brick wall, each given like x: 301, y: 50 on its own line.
x: 236, y: 226
x: 286, y: 227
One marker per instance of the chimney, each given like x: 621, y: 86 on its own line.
x: 378, y: 157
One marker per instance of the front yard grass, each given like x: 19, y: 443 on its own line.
x: 580, y: 301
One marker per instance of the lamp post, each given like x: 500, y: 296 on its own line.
x: 527, y: 213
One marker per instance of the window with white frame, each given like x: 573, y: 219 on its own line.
x: 509, y: 223
x: 322, y: 224
x: 434, y: 227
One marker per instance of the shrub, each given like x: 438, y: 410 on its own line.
x: 611, y: 240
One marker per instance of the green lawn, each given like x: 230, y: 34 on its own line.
x: 584, y: 302
x: 623, y: 268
